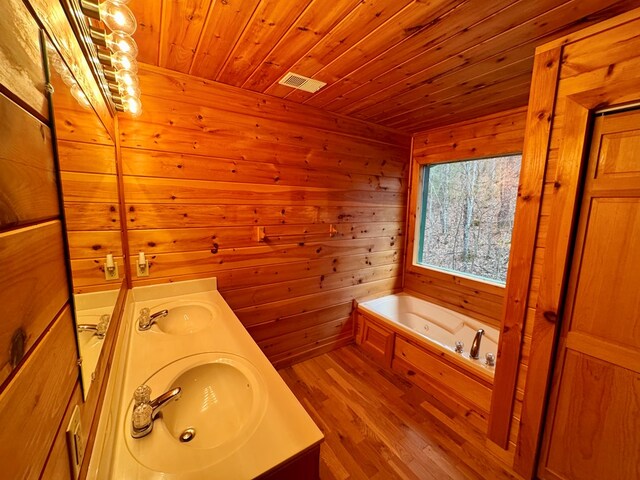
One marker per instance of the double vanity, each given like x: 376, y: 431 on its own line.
x: 216, y: 408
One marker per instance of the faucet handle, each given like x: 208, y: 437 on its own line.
x: 141, y: 418
x: 490, y: 359
x: 101, y: 329
x: 141, y: 396
x: 144, y: 319
x: 459, y: 346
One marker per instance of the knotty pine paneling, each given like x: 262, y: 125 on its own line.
x: 412, y: 65
x: 32, y: 260
x: 206, y: 164
x: 33, y: 404
x: 491, y: 135
x: 28, y: 191
x: 87, y: 158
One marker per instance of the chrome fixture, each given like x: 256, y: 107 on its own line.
x: 146, y: 410
x: 459, y: 346
x: 490, y: 359
x: 106, y: 28
x: 100, y: 328
x: 475, y: 346
x: 145, y: 320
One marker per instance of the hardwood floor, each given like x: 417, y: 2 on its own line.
x: 379, y: 426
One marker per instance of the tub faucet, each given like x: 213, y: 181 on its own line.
x: 145, y: 410
x: 475, y: 346
x: 145, y: 320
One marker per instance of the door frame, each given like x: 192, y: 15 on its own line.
x: 579, y: 106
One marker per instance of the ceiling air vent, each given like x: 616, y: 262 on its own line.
x: 299, y: 82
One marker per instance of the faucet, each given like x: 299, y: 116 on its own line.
x: 145, y: 320
x: 475, y: 346
x: 100, y: 328
x: 145, y: 410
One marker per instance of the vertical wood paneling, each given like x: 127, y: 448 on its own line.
x: 269, y: 22
x: 224, y: 26
x: 149, y: 17
x: 206, y: 164
x: 187, y: 18
x: 491, y: 135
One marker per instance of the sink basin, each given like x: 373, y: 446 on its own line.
x: 216, y: 404
x: 222, y: 403
x: 184, y: 318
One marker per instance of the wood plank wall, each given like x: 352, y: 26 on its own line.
x: 88, y: 167
x: 491, y: 135
x: 36, y: 326
x: 206, y: 164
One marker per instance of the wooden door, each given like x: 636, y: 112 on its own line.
x: 593, y: 420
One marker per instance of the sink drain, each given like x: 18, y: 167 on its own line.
x: 187, y: 435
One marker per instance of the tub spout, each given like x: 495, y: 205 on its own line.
x: 475, y: 346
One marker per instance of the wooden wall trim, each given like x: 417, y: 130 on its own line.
x: 534, y: 163
x: 583, y: 86
x: 552, y: 281
x: 93, y: 405
x: 124, y: 231
x: 590, y: 31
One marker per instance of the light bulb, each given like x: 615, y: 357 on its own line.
x: 120, y: 42
x: 117, y: 17
x: 133, y: 105
x: 126, y: 78
x: 124, y: 61
x: 132, y: 90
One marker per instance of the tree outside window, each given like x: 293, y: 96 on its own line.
x: 467, y: 216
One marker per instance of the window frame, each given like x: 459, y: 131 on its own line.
x: 417, y: 199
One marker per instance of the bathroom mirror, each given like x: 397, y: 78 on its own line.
x: 87, y: 162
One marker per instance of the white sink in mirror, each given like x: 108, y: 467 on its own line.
x: 182, y: 318
x: 91, y: 310
x: 222, y: 402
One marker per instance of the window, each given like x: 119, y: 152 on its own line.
x: 466, y: 216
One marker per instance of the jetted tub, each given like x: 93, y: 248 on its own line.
x: 436, y: 326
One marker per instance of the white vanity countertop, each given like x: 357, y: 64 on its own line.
x: 285, y: 429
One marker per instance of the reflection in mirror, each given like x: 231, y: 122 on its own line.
x: 86, y: 156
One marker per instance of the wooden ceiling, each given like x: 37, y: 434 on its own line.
x: 407, y: 64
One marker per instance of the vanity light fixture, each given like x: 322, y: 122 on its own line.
x: 114, y: 50
x: 116, y: 16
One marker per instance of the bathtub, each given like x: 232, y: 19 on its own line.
x: 436, y: 327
